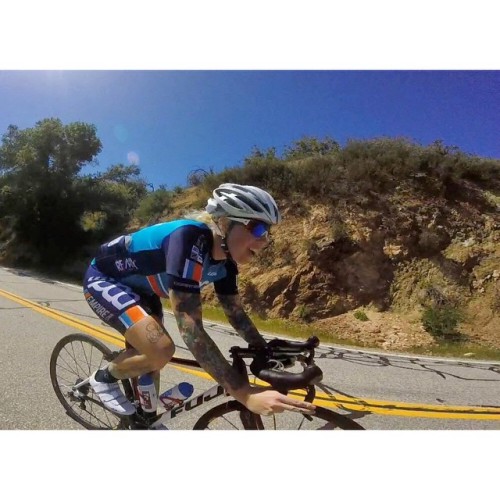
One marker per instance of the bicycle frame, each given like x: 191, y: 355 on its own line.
x: 157, y: 420
x: 197, y: 400
x: 190, y: 404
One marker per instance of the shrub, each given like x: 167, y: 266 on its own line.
x: 441, y: 322
x: 304, y: 312
x: 339, y: 230
x: 317, y: 177
x: 321, y: 170
x: 154, y: 205
x: 198, y: 176
x: 93, y: 221
x: 361, y: 315
x: 310, y: 146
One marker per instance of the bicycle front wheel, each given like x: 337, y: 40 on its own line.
x: 74, y: 358
x: 234, y: 416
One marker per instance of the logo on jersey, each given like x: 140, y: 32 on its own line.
x: 196, y: 254
x: 127, y: 264
x: 199, y: 249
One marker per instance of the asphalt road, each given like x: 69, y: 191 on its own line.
x: 380, y: 390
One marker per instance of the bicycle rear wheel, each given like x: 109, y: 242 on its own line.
x: 74, y: 358
x: 234, y: 416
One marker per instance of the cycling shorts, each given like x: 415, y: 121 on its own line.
x: 117, y: 304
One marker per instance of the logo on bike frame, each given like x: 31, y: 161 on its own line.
x: 193, y: 403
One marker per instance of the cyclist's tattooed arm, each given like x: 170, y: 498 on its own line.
x: 239, y: 320
x: 187, y: 310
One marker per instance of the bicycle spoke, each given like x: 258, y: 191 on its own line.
x: 85, y: 354
x: 70, y: 369
x: 78, y: 367
x: 301, y: 423
x: 71, y: 372
x: 94, y: 417
x: 90, y: 412
x: 230, y: 423
x: 75, y: 360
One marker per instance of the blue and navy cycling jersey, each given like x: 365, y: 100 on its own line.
x: 171, y: 255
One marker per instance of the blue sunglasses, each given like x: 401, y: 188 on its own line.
x: 257, y: 228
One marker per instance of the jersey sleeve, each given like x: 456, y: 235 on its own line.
x: 185, y: 252
x: 229, y: 284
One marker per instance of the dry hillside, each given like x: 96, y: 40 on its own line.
x: 389, y: 256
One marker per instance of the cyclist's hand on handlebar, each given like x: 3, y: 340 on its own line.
x: 266, y: 402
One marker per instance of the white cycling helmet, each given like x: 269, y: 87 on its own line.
x: 243, y: 202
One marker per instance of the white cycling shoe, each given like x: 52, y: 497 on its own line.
x: 112, y: 397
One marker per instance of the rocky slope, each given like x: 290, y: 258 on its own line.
x: 388, y: 255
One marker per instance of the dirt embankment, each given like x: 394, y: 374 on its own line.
x: 390, y: 257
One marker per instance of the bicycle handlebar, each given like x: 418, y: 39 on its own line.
x: 280, y: 380
x: 287, y: 381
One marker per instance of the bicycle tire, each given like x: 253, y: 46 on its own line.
x: 74, y: 358
x: 225, y: 416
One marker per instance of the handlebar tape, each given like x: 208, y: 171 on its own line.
x: 288, y: 381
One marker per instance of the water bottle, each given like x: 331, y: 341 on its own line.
x: 147, y: 393
x: 176, y: 395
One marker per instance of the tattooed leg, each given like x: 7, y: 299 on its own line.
x: 153, y: 349
x: 154, y: 332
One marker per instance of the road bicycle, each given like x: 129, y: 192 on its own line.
x: 76, y: 356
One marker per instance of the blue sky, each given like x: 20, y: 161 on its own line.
x: 171, y: 122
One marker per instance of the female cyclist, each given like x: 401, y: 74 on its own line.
x: 126, y: 279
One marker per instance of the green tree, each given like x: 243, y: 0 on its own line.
x: 112, y: 197
x: 38, y: 176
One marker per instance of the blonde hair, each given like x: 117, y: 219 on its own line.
x: 206, y: 218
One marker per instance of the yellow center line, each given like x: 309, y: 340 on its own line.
x: 400, y: 409
x: 349, y: 403
x: 83, y: 326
